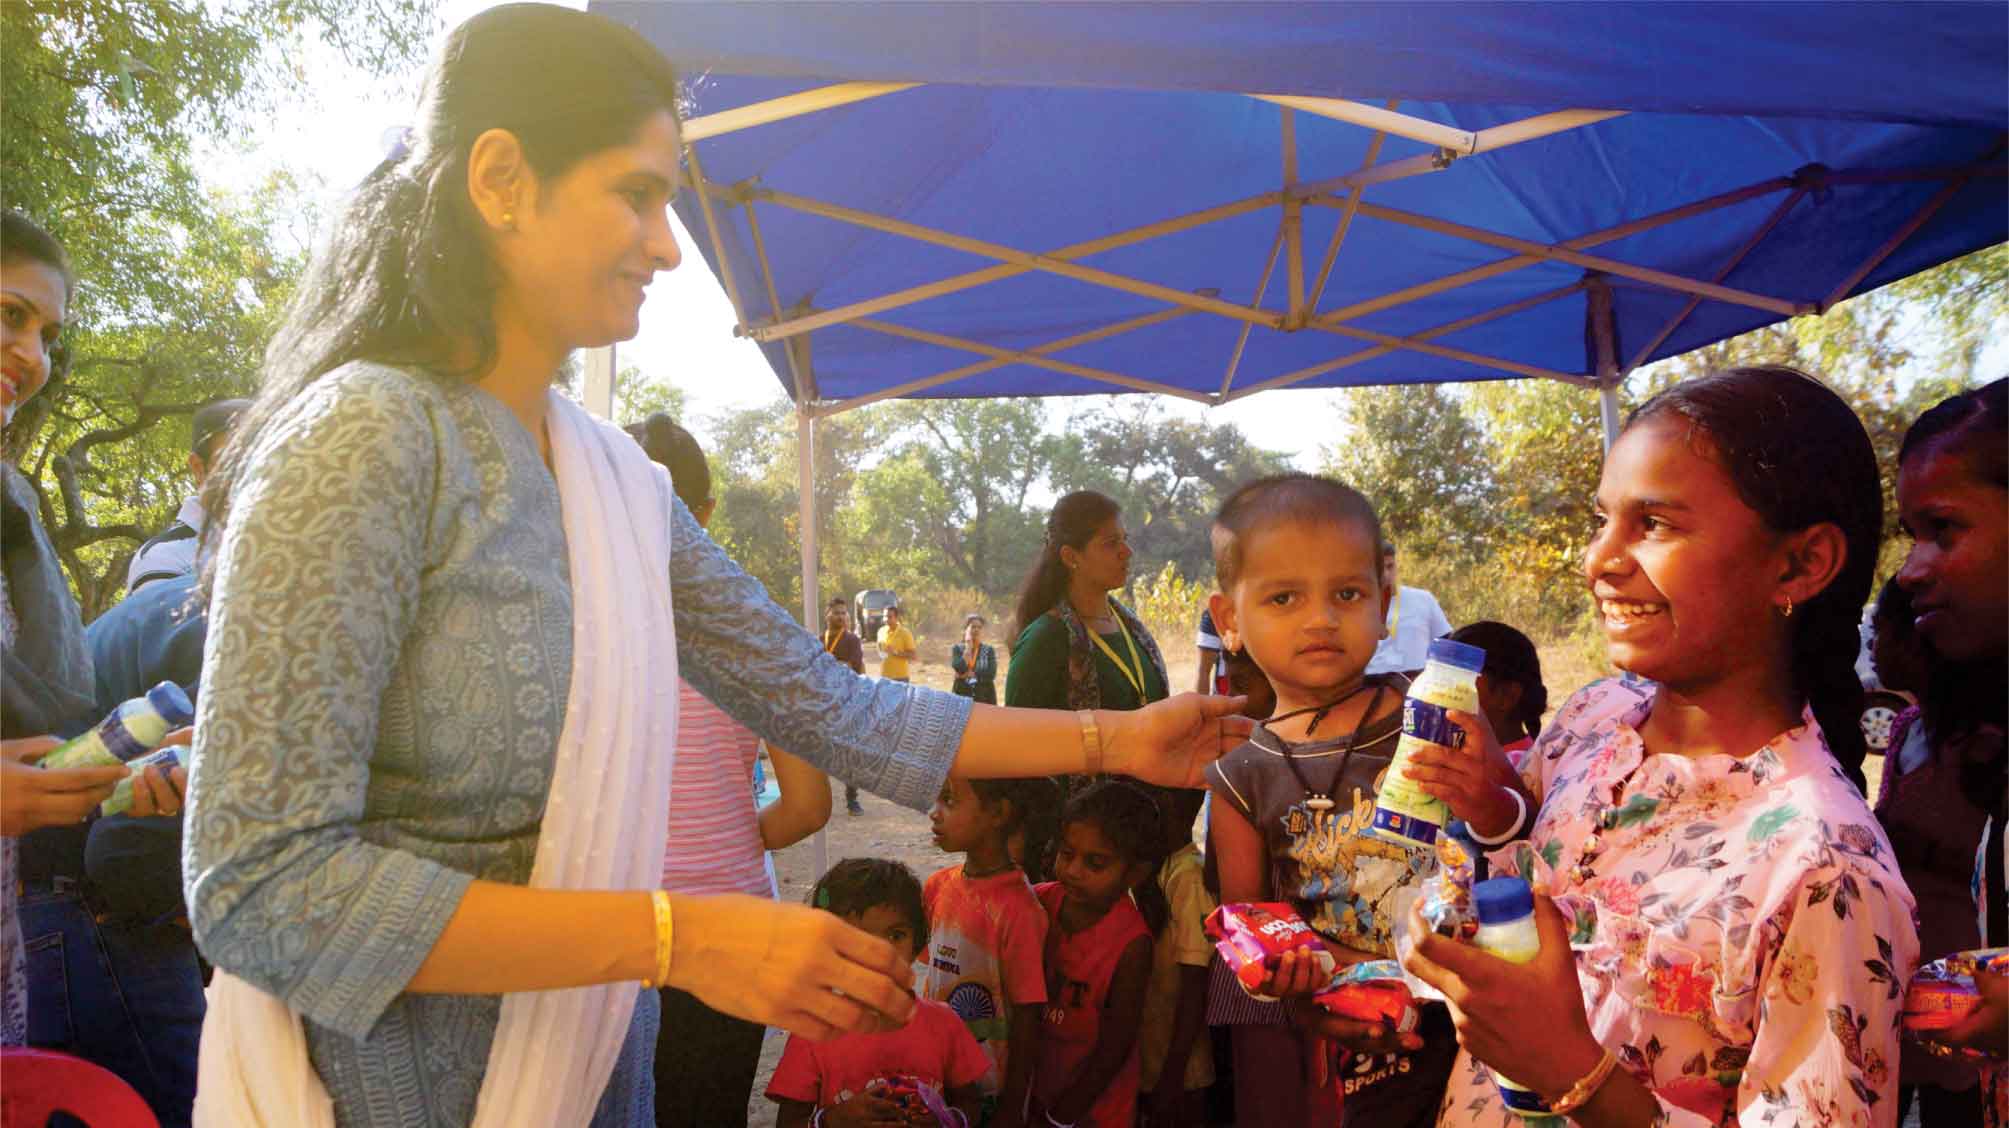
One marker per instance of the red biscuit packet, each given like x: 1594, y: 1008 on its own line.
x: 1253, y: 937
x: 1386, y: 1001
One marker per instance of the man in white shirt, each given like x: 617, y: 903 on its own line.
x: 171, y: 552
x: 1414, y: 618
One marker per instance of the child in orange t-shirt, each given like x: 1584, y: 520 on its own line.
x: 1098, y: 956
x: 987, y: 933
x: 865, y: 1078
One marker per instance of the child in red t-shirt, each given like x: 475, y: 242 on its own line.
x: 858, y: 1079
x: 987, y: 933
x: 1098, y: 956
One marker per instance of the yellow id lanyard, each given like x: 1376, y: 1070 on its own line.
x: 1133, y: 673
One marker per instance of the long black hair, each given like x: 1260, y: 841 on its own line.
x: 1511, y: 656
x: 405, y: 276
x: 1799, y: 457
x: 1128, y: 815
x: 1962, y: 697
x: 1035, y: 807
x: 1072, y: 524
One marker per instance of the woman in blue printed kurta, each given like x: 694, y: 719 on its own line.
x: 390, y: 644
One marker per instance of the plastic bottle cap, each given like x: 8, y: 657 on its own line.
x: 1457, y: 829
x: 171, y: 703
x: 1502, y: 899
x: 1461, y: 655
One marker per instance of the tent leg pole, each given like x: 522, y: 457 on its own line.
x: 1607, y: 402
x: 805, y: 439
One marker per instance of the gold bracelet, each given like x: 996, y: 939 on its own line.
x: 1586, y: 1087
x: 665, y: 932
x: 1091, y: 742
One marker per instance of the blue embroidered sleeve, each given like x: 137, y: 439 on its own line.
x: 746, y: 654
x: 315, y: 592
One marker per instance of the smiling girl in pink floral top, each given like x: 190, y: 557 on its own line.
x: 1729, y: 929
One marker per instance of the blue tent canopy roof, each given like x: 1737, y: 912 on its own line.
x: 1840, y: 147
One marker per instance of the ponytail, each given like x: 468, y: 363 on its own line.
x: 1035, y: 807
x: 1799, y: 457
x: 1129, y: 816
x: 1072, y: 524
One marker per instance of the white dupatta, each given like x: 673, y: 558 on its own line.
x: 604, y: 826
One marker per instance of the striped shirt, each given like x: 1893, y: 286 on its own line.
x: 714, y: 844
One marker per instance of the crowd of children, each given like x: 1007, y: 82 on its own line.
x: 1688, y: 817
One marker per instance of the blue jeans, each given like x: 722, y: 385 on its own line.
x: 125, y: 995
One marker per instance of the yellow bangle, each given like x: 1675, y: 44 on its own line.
x: 1091, y: 742
x: 665, y: 932
x: 1585, y: 1088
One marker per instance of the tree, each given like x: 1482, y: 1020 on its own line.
x: 1423, y: 462
x: 1170, y: 475
x: 103, y: 106
x: 636, y: 397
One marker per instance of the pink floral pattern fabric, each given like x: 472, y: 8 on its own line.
x: 1741, y: 931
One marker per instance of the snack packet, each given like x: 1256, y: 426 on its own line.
x: 1372, y: 991
x: 1943, y: 995
x: 915, y: 1096
x: 1252, y: 938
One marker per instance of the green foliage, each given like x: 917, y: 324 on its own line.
x: 104, y: 105
x: 636, y: 397
x: 1169, y: 604
x: 1423, y: 462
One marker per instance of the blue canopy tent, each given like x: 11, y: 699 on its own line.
x: 1207, y: 201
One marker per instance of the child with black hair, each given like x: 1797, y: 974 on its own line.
x: 855, y: 1079
x: 988, y: 932
x: 1104, y: 910
x: 1302, y: 589
x: 1728, y: 933
x: 1511, y: 693
x: 1174, y: 1051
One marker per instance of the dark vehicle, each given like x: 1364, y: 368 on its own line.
x: 868, y: 610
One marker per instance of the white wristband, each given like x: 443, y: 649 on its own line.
x: 1058, y: 1123
x: 1513, y: 831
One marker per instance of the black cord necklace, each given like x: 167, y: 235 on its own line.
x: 1316, y: 800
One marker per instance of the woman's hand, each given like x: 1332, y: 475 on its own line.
x: 1171, y: 742
x: 32, y: 798
x: 1475, y: 781
x: 790, y: 966
x: 1498, y: 1006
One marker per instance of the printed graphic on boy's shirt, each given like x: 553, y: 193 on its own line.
x: 1349, y: 875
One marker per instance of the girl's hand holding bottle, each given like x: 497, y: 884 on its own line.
x: 32, y: 797
x: 1477, y: 781
x: 1496, y: 1004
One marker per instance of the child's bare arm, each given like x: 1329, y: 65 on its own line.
x: 1122, y: 1014
x: 1023, y: 1051
x: 804, y: 805
x: 1243, y: 856
x: 793, y: 1114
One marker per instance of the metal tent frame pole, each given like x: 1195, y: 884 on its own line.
x: 805, y: 485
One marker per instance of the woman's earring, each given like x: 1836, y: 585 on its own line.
x: 1789, y: 607
x: 509, y: 221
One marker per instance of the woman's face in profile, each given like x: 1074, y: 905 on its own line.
x: 585, y: 246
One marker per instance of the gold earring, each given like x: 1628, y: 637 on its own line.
x: 509, y: 220
x: 1789, y: 607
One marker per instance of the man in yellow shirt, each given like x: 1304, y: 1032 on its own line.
x: 896, y: 648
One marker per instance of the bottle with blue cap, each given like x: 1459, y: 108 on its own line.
x: 1403, y: 812
x: 132, y: 730
x: 1505, y: 907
